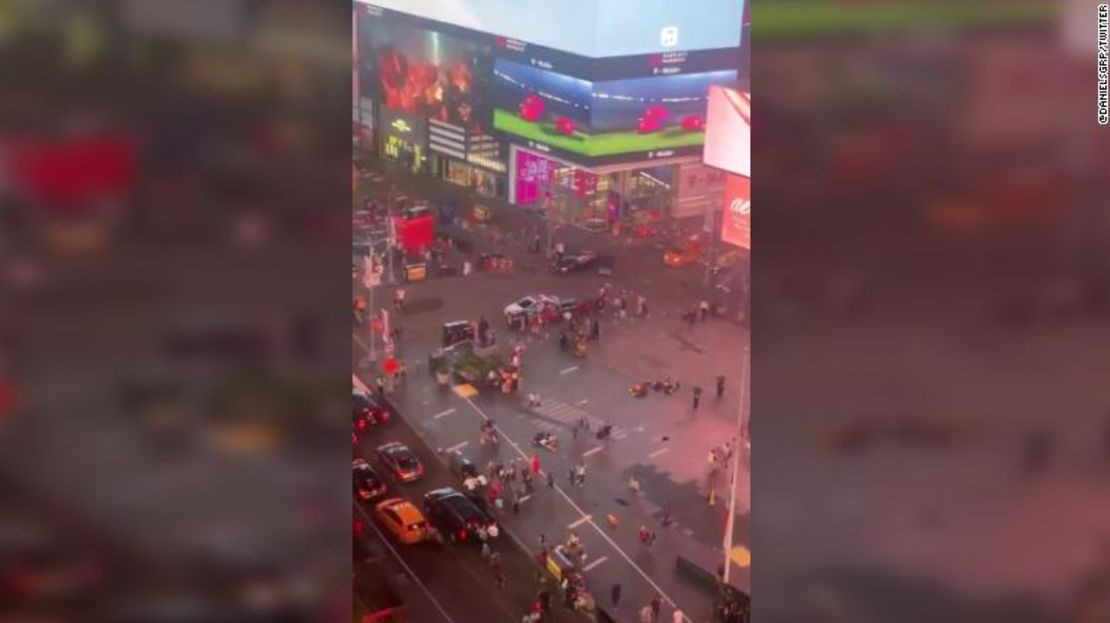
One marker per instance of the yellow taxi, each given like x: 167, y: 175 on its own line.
x: 402, y: 519
x: 685, y: 252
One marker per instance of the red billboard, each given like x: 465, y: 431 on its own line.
x: 415, y: 234
x: 736, y: 221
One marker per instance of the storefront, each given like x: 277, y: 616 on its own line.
x: 403, y: 140
x: 595, y: 199
x: 467, y: 159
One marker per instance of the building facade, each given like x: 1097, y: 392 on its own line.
x: 601, y: 131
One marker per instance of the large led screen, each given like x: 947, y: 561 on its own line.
x: 736, y: 223
x: 425, y: 73
x: 595, y: 28
x: 728, y: 142
x: 608, y: 118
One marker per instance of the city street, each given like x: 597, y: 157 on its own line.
x: 450, y: 583
x: 661, y: 440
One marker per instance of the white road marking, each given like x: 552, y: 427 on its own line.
x: 568, y: 370
x: 579, y: 522
x: 596, y: 562
x: 412, y: 574
x: 357, y: 382
x: 659, y: 452
x: 602, y: 533
x: 458, y: 446
x: 444, y: 413
x: 360, y: 342
x: 525, y: 498
x: 593, y: 450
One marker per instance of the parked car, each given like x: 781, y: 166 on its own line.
x: 530, y: 306
x: 365, y: 411
x: 575, y: 262
x: 368, y: 485
x: 574, y: 306
x: 685, y: 252
x: 455, y: 515
x: 402, y: 519
x: 401, y: 462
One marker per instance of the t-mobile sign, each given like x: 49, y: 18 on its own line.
x: 533, y: 176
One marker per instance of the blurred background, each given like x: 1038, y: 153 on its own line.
x: 173, y: 302
x: 931, y: 420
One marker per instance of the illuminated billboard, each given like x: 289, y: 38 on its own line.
x: 736, y: 221
x: 728, y: 140
x: 423, y: 72
x: 661, y: 115
x: 593, y: 28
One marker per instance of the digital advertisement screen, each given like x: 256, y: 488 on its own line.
x: 728, y: 142
x: 594, y: 28
x: 425, y: 73
x: 736, y: 223
x: 607, y: 118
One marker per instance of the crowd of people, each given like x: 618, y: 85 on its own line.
x: 505, y: 484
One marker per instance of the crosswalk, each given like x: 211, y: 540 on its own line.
x: 567, y: 415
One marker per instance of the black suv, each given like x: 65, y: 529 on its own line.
x: 368, y: 485
x: 454, y: 515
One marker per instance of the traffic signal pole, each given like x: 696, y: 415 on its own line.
x: 742, y: 418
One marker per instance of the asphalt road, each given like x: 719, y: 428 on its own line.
x: 660, y: 439
x: 451, y: 583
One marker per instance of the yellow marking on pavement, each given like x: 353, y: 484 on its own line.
x: 740, y: 556
x: 466, y: 390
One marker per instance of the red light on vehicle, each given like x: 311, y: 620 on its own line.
x: 462, y: 535
x: 383, y: 416
x: 359, y: 527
